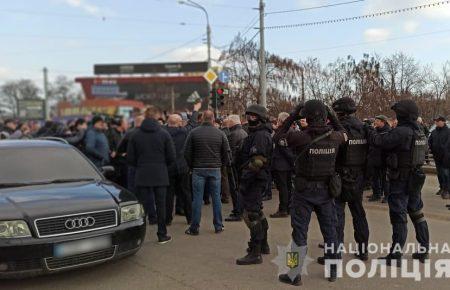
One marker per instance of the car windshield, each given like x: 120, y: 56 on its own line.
x: 22, y: 166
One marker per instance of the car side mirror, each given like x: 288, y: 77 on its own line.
x: 107, y: 171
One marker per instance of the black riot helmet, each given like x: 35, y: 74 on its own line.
x: 344, y: 106
x: 257, y: 110
x: 315, y: 113
x: 406, y: 110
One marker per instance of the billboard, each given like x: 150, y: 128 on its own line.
x: 150, y: 68
x: 31, y: 109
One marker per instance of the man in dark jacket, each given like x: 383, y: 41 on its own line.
x: 235, y: 138
x: 206, y: 152
x: 77, y: 139
x: 282, y: 167
x: 8, y: 129
x: 439, y: 143
x: 97, y: 147
x: 151, y: 152
x: 116, y: 131
x: 122, y: 151
x: 179, y: 171
x: 377, y: 162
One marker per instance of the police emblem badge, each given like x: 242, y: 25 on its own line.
x: 292, y: 259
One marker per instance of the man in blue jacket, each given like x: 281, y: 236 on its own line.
x: 97, y: 147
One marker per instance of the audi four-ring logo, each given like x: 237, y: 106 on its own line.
x: 79, y: 223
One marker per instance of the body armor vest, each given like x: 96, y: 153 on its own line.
x: 318, y: 161
x: 416, y: 156
x: 354, y: 152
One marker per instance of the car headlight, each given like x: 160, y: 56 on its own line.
x: 130, y: 213
x: 14, y: 229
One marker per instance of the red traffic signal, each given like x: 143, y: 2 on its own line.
x: 220, y: 91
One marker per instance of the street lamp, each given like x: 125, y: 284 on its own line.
x: 208, y: 28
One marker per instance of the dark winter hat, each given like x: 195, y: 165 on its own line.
x: 7, y: 121
x: 344, y: 105
x: 258, y: 110
x: 406, y: 109
x: 97, y: 119
x: 440, y: 118
x: 382, y: 118
x: 315, y: 112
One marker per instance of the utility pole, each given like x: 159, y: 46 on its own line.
x: 208, y: 42
x: 303, y: 84
x: 172, y: 99
x: 46, y: 109
x: 262, y: 57
x: 208, y: 32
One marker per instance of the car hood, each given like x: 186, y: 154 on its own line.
x: 37, y: 201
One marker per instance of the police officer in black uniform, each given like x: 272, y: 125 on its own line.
x: 254, y: 162
x: 316, y: 149
x: 351, y: 166
x: 405, y: 146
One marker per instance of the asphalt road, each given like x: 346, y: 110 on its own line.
x: 208, y: 260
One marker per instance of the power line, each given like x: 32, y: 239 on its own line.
x: 315, y: 7
x: 383, y: 13
x: 244, y: 32
x: 112, y: 18
x: 39, y: 36
x: 369, y: 42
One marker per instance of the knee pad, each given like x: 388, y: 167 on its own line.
x: 417, y: 216
x: 252, y: 219
x: 398, y: 218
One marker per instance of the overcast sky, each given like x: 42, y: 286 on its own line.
x: 69, y: 36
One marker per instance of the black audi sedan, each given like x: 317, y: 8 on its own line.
x: 58, y: 212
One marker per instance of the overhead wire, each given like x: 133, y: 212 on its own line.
x: 313, y: 8
x: 371, y: 15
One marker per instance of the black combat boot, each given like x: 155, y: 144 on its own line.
x: 362, y: 257
x: 279, y: 214
x: 420, y: 256
x: 284, y: 278
x: 265, y: 249
x: 375, y: 198
x: 333, y: 273
x: 390, y: 258
x: 321, y: 260
x: 253, y: 257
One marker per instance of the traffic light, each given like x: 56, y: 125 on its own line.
x: 218, y: 97
x: 213, y: 98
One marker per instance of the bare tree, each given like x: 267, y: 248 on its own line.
x: 13, y: 91
x: 283, y: 78
x: 64, y: 89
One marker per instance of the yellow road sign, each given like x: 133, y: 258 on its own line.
x: 210, y: 76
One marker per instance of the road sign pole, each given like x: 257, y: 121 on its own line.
x: 46, y: 107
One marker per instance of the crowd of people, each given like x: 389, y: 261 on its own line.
x: 319, y: 159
